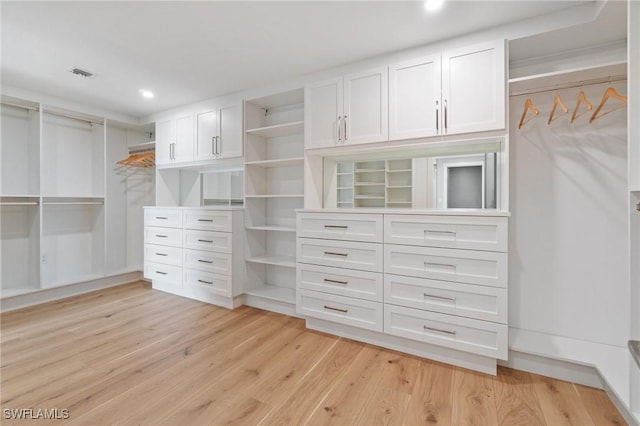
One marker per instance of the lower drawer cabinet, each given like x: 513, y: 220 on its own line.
x: 163, y: 254
x: 208, y: 281
x: 163, y: 236
x: 344, y: 310
x: 340, y: 281
x: 207, y: 261
x: 208, y: 240
x: 466, y: 300
x: 341, y: 254
x: 161, y: 272
x: 469, y: 335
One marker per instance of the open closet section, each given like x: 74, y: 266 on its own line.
x: 66, y: 207
x: 274, y: 189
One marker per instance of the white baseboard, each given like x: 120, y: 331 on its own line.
x: 198, y: 294
x: 272, y: 305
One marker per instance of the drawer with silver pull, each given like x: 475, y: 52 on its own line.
x: 342, y: 254
x: 461, y: 232
x: 344, y: 310
x: 340, y: 281
x: 208, y: 240
x: 478, y: 337
x: 208, y: 281
x: 163, y: 217
x: 207, y: 261
x: 163, y: 236
x: 207, y: 220
x: 337, y: 226
x: 166, y: 255
x: 465, y: 266
x: 467, y: 300
x: 167, y: 273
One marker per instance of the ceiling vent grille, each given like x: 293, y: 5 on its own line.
x: 81, y: 72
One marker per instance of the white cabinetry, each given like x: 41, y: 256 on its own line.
x: 175, y: 140
x: 219, y: 133
x: 196, y: 252
x: 351, y: 109
x: 444, y: 282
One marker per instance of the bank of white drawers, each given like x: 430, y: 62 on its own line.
x: 190, y: 249
x: 436, y: 279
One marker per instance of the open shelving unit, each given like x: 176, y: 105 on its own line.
x: 274, y: 189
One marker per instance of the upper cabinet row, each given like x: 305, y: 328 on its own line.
x: 458, y: 91
x: 208, y: 135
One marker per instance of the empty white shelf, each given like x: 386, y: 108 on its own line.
x: 282, y: 162
x: 274, y: 228
x: 278, y: 130
x: 286, y: 261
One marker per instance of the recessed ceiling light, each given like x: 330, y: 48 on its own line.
x: 433, y: 5
x: 147, y: 94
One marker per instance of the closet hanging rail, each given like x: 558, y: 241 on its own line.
x: 573, y: 85
x: 142, y: 155
x: 90, y: 120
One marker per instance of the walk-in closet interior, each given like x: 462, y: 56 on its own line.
x: 471, y: 198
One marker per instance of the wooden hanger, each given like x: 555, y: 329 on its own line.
x: 557, y: 102
x: 139, y: 160
x: 582, y: 99
x: 528, y: 106
x: 609, y: 93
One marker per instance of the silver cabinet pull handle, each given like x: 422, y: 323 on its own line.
x: 431, y: 231
x: 339, y: 127
x: 161, y: 273
x: 337, y: 226
x: 446, y: 125
x: 219, y: 144
x: 162, y: 254
x: 327, y: 280
x: 213, y: 145
x: 345, y: 128
x: 162, y: 217
x: 452, y: 299
x: 344, y: 311
x: 205, y: 261
x: 161, y: 236
x: 205, y: 241
x: 205, y: 282
x: 447, y: 265
x: 205, y: 220
x: 331, y: 253
x: 451, y: 333
x: 437, y: 116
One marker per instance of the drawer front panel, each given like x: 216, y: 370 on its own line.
x: 163, y: 236
x: 164, y: 217
x: 467, y: 300
x: 208, y: 281
x: 351, y: 227
x: 208, y: 240
x: 207, y: 220
x: 479, y: 337
x: 460, y: 232
x: 344, y: 282
x: 344, y: 310
x: 163, y: 254
x: 207, y: 261
x: 466, y: 266
x: 342, y: 254
x: 168, y: 273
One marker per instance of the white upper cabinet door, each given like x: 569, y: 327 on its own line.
x: 414, y: 98
x: 165, y: 132
x: 473, y: 88
x: 323, y: 114
x: 183, y: 149
x: 366, y: 107
x: 230, y: 125
x: 207, y: 123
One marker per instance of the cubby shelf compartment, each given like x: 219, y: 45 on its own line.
x: 286, y: 261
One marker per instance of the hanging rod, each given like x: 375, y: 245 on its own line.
x: 19, y: 203
x: 72, y: 116
x: 582, y: 83
x: 143, y: 147
x: 73, y: 203
x: 16, y: 105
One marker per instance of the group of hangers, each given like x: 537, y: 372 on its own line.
x: 609, y: 93
x: 147, y: 159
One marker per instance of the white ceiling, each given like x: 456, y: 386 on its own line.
x: 190, y: 51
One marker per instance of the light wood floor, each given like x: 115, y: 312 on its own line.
x: 132, y: 355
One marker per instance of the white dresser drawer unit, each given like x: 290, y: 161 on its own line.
x: 163, y: 254
x: 207, y: 261
x: 161, y: 272
x: 342, y: 254
x: 466, y: 300
x: 208, y: 240
x: 340, y: 281
x: 163, y: 236
x: 466, y: 266
x: 460, y: 232
x: 344, y: 310
x: 335, y: 226
x: 479, y: 337
x: 208, y: 281
x: 165, y: 217
x: 207, y: 220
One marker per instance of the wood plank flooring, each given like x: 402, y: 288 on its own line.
x: 135, y: 356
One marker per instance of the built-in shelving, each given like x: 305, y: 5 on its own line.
x: 287, y: 261
x: 278, y: 130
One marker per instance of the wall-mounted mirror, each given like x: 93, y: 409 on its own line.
x: 455, y: 177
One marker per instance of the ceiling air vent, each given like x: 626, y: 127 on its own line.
x: 81, y: 72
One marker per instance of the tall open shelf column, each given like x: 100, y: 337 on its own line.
x: 274, y: 189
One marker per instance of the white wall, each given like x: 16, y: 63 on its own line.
x: 568, y: 265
